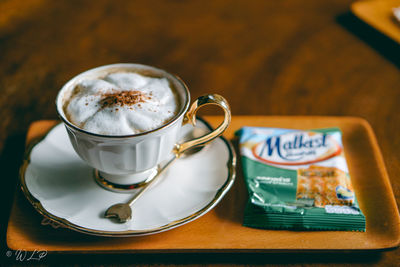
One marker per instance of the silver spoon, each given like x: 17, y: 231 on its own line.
x: 122, y: 211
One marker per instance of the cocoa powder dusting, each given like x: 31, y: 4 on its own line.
x: 128, y: 98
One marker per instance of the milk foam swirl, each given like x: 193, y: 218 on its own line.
x: 121, y: 103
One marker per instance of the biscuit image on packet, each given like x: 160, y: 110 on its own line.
x: 325, y: 185
x: 298, y: 180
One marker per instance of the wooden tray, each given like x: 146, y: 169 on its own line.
x: 378, y: 14
x: 221, y: 229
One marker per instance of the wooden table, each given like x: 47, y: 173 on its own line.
x: 267, y: 57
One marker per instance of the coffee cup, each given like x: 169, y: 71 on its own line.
x: 127, y: 161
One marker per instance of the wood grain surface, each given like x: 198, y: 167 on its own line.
x: 287, y: 57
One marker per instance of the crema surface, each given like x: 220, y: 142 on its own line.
x: 121, y: 104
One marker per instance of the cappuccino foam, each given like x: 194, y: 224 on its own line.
x: 121, y: 103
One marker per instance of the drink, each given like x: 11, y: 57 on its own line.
x: 125, y: 119
x: 121, y: 102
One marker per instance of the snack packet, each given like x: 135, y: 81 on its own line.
x: 298, y: 180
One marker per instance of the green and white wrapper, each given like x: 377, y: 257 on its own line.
x: 298, y: 180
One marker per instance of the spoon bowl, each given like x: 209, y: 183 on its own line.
x: 122, y: 212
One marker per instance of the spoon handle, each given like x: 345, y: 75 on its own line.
x: 152, y: 181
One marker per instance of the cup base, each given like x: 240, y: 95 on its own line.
x: 124, y: 183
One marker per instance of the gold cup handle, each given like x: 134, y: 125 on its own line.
x: 190, y: 117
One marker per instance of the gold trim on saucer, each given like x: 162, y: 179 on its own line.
x: 231, y: 166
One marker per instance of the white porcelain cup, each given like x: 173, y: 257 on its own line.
x: 130, y: 159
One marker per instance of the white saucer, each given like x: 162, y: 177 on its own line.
x: 62, y: 188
